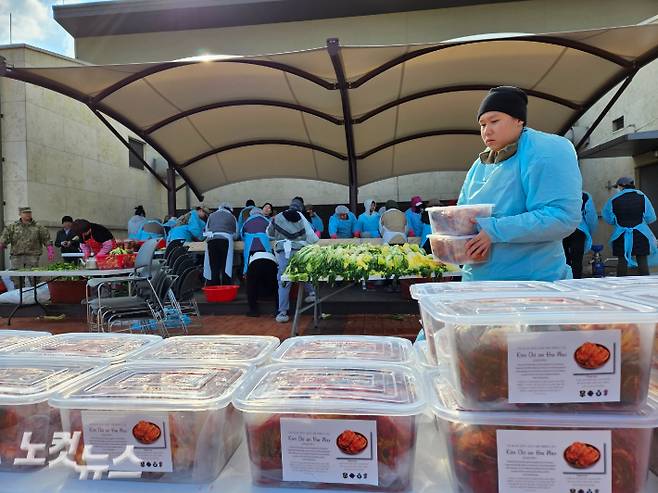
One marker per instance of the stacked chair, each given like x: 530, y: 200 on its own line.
x: 159, y: 299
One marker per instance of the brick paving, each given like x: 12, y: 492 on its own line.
x: 361, y: 324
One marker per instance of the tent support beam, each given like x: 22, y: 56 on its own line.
x: 242, y: 102
x: 461, y: 88
x: 605, y: 110
x: 421, y: 135
x: 132, y: 151
x: 171, y: 192
x: 247, y: 143
x: 333, y: 47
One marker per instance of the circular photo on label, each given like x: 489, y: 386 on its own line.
x: 351, y: 442
x: 592, y: 356
x: 146, y: 432
x: 581, y: 455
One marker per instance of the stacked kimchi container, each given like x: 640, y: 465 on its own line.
x: 541, y: 387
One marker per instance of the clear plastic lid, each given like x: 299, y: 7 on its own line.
x: 107, y: 348
x: 644, y: 295
x: 443, y: 401
x: 425, y: 360
x: 330, y: 388
x: 459, y: 207
x: 605, y: 284
x: 155, y: 386
x: 30, y: 381
x: 438, y: 288
x: 12, y: 339
x: 358, y: 348
x: 537, y: 308
x: 253, y: 350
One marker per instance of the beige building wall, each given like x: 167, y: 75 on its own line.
x: 60, y: 159
x: 407, y: 27
x: 639, y: 107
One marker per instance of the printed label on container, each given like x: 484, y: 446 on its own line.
x: 571, y: 461
x: 110, y: 433
x: 564, y: 367
x: 338, y: 451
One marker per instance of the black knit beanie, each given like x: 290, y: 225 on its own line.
x: 506, y: 99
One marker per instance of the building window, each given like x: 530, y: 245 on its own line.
x: 138, y: 147
x: 618, y: 124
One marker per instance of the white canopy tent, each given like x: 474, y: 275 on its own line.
x: 348, y: 115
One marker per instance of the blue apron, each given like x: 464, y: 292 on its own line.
x: 643, y: 227
x: 537, y: 197
x: 248, y: 240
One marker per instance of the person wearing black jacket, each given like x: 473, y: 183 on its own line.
x: 630, y: 212
x: 66, y: 239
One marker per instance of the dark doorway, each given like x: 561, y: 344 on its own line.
x: 649, y: 185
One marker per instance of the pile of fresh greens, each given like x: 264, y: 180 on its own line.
x: 58, y: 266
x: 355, y: 262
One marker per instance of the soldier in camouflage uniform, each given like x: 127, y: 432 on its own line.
x: 27, y: 239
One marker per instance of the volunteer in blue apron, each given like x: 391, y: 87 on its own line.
x: 367, y: 226
x: 580, y: 241
x: 533, y: 180
x: 190, y: 226
x: 630, y: 212
x: 220, y: 232
x: 255, y: 237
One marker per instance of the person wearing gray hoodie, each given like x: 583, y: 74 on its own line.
x: 290, y: 231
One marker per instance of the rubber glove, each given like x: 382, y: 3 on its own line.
x: 85, y: 251
x: 106, y: 248
x: 333, y: 237
x: 318, y: 234
x: 411, y: 232
x: 357, y: 234
x: 51, y: 253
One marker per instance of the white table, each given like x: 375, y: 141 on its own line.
x: 431, y: 475
x: 453, y: 272
x: 238, y: 246
x: 54, y: 274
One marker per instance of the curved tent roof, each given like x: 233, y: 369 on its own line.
x: 349, y: 115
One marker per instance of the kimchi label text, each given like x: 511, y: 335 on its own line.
x: 564, y: 367
x: 339, y: 451
x: 110, y: 433
x: 554, y: 461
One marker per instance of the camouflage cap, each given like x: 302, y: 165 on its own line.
x: 24, y: 209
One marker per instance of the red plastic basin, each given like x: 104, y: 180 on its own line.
x: 220, y: 294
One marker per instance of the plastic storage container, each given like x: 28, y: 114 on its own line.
x: 607, y: 284
x: 517, y: 452
x: 425, y: 361
x: 332, y: 426
x: 450, y: 288
x: 647, y: 295
x: 653, y: 392
x: 560, y: 350
x: 25, y: 386
x: 179, y: 418
x: 12, y: 339
x: 104, y: 348
x: 356, y: 348
x: 452, y: 249
x: 250, y: 350
x: 456, y: 220
x: 438, y: 346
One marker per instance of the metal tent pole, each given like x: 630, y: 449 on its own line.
x: 333, y: 47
